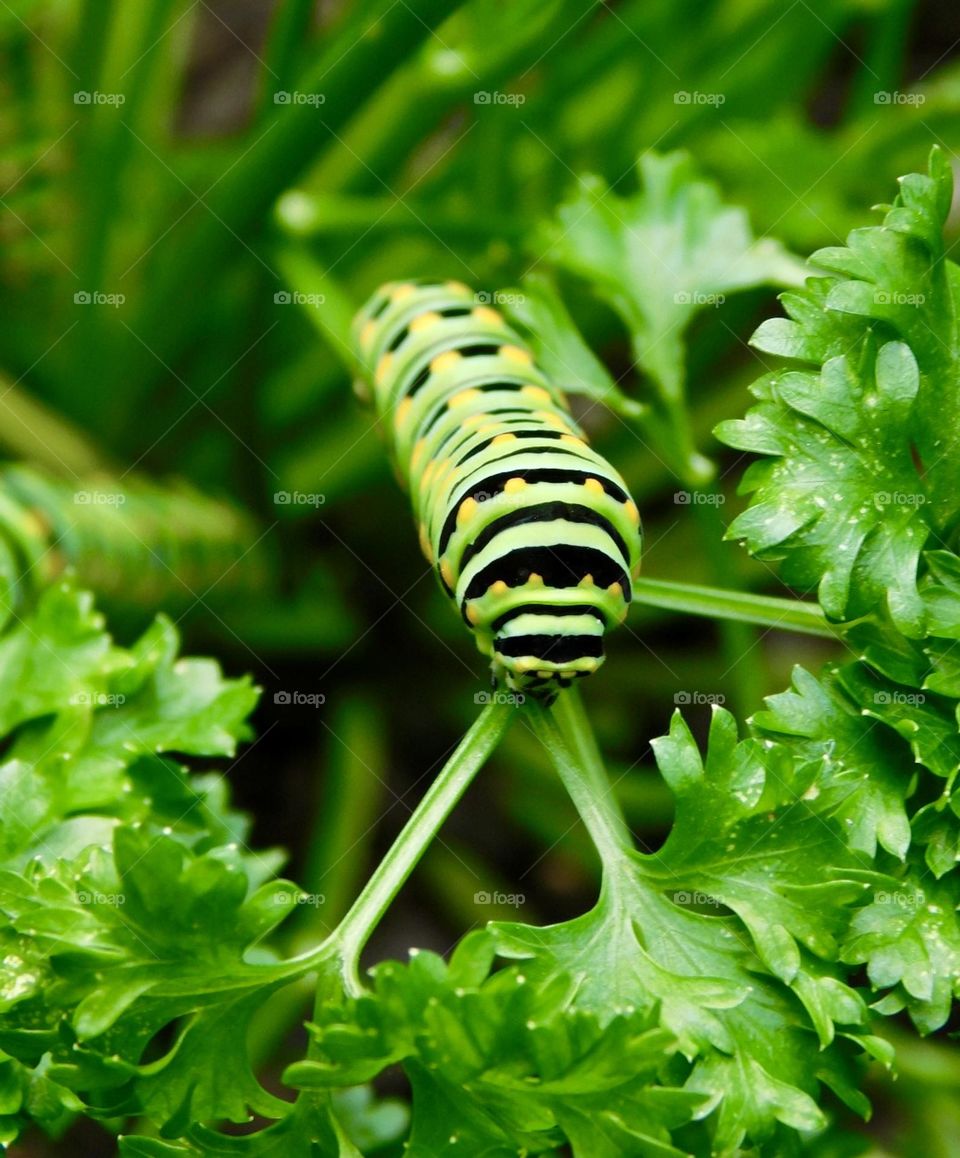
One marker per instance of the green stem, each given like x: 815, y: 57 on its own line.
x: 443, y: 794
x: 739, y: 606
x: 568, y: 738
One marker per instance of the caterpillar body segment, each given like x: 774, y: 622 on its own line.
x: 530, y: 531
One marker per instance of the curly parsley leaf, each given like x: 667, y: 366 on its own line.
x: 860, y: 470
x: 658, y: 258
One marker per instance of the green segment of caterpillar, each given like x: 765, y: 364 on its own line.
x: 531, y: 532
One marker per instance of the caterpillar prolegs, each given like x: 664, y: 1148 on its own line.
x: 531, y: 532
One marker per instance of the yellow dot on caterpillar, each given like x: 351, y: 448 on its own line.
x: 553, y: 419
x: 524, y: 665
x: 590, y: 664
x: 586, y: 581
x: 498, y: 587
x: 544, y: 674
x: 366, y: 334
x: 446, y: 573
x: 383, y: 369
x: 536, y: 394
x: 463, y: 397
x: 443, y: 470
x: 402, y: 292
x: 514, y: 485
x: 424, y: 321
x: 486, y: 314
x: 572, y: 440
x: 444, y: 361
x: 473, y: 614
x: 501, y: 438
x: 468, y: 508
x: 623, y: 614
x: 474, y: 419
x: 594, y: 486
x: 428, y: 474
x: 488, y: 428
x: 516, y: 354
x: 615, y: 590
x: 457, y: 287
x: 632, y: 513
x: 418, y: 450
x: 403, y: 409
x: 425, y: 544
x: 535, y: 580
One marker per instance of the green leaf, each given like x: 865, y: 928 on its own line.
x: 859, y: 467
x: 909, y: 939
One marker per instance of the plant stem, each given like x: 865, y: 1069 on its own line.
x: 424, y: 823
x: 739, y: 606
x: 566, y: 734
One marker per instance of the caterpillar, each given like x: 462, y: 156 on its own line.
x: 530, y: 531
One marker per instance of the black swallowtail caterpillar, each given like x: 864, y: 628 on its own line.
x: 136, y: 543
x: 530, y: 531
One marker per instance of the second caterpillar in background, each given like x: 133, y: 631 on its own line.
x: 531, y: 532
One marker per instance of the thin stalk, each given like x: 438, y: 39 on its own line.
x: 31, y: 431
x: 565, y: 732
x: 738, y: 606
x: 441, y: 797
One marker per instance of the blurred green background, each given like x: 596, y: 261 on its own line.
x: 196, y: 196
